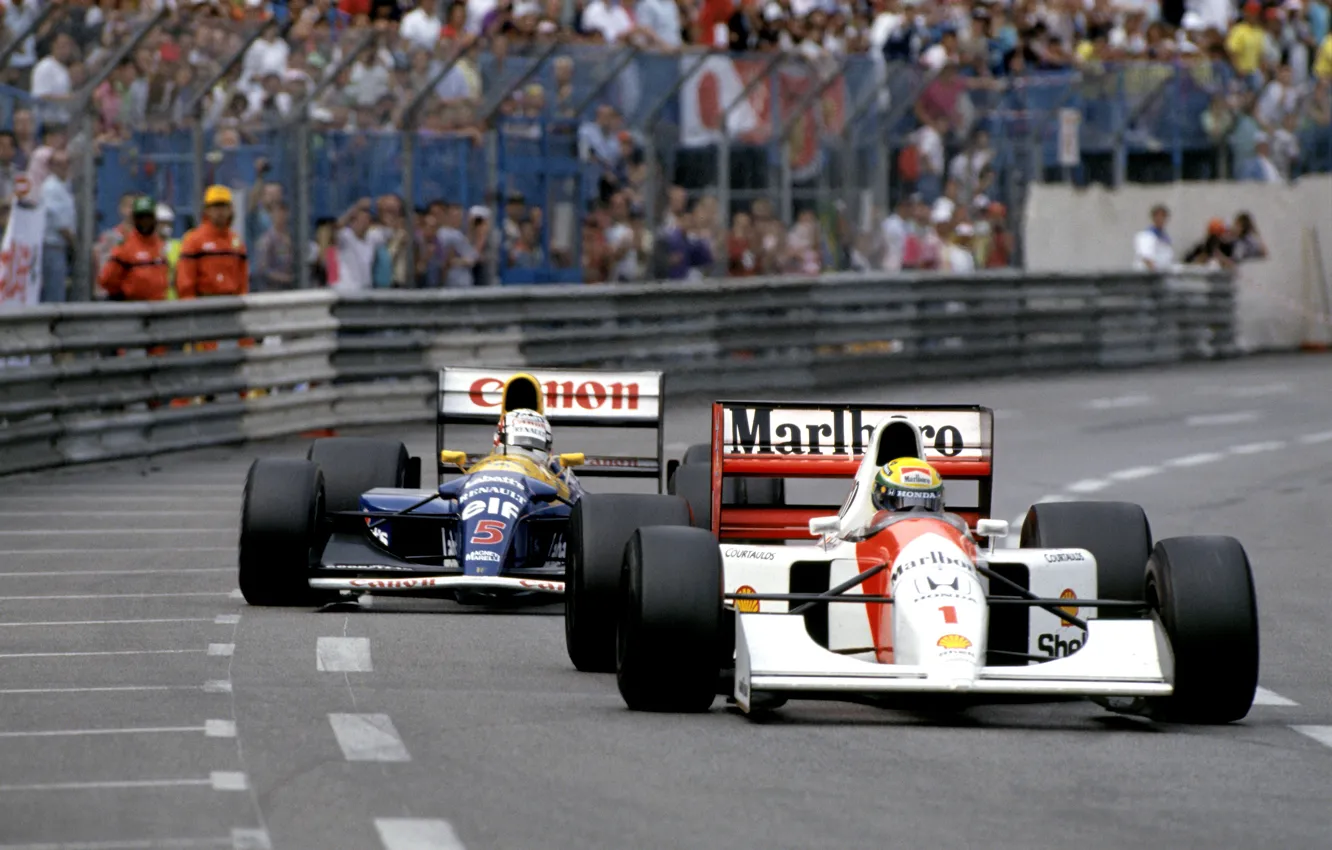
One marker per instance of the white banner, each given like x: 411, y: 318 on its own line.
x: 580, y: 393
x: 21, y: 257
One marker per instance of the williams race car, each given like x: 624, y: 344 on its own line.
x: 914, y: 603
x: 352, y: 519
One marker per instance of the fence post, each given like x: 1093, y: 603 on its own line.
x: 652, y: 190
x: 724, y: 151
x: 87, y: 201
x: 802, y: 107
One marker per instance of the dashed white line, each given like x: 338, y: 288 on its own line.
x: 1318, y: 437
x: 1321, y: 734
x: 217, y: 686
x: 1087, y: 485
x: 1116, y: 402
x: 109, y: 784
x: 1195, y: 459
x: 1256, y: 448
x: 417, y: 834
x: 228, y: 780
x: 226, y: 619
x: 135, y: 514
x: 223, y: 649
x: 1207, y: 419
x: 250, y: 839
x: 343, y: 655
x: 171, y: 571
x: 115, y: 595
x: 103, y: 690
x: 1135, y: 472
x: 103, y: 553
x: 102, y: 652
x: 130, y: 844
x: 147, y: 622
x: 102, y: 532
x: 368, y: 737
x: 236, y: 594
x: 79, y: 733
x: 220, y: 728
x: 1265, y: 697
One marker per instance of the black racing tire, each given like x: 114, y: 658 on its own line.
x: 1117, y: 534
x: 281, y: 512
x: 353, y: 465
x: 697, y: 453
x: 693, y: 483
x: 599, y: 527
x: 696, y: 486
x: 1202, y: 588
x: 670, y: 620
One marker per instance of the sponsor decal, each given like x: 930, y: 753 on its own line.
x: 450, y: 542
x: 746, y: 606
x: 392, y: 583
x: 916, y: 477
x: 1071, y: 610
x: 488, y: 532
x: 954, y: 642
x: 838, y: 430
x: 558, y: 547
x: 934, y: 559
x: 1056, y: 647
x: 381, y: 534
x: 485, y: 490
x: 492, y: 505
x: 541, y: 585
x: 1060, y: 557
x: 936, y: 585
x: 358, y: 567
x: 483, y: 555
x: 493, y: 479
x: 750, y: 554
x: 564, y: 395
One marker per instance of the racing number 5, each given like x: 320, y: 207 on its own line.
x: 949, y: 612
x: 488, y: 531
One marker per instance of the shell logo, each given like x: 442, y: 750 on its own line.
x: 954, y: 642
x: 746, y: 606
x: 1070, y: 610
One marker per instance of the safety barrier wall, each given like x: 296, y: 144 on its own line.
x: 88, y: 382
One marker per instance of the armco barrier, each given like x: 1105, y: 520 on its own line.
x: 85, y: 382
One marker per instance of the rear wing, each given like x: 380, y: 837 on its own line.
x: 583, y: 398
x: 756, y: 439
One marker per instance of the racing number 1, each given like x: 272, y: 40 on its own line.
x: 488, y: 531
x: 949, y: 612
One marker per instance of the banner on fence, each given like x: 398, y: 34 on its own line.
x: 769, y: 103
x: 21, y: 256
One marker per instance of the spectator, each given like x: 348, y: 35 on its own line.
x: 275, y: 254
x: 1216, y: 249
x: 9, y: 168
x: 742, y: 258
x: 1260, y: 167
x: 213, y: 259
x: 137, y: 268
x: 58, y: 241
x: 1151, y: 247
x: 113, y: 236
x: 356, y: 248
x: 52, y: 85
x: 458, y: 256
x: 1248, y: 243
x: 54, y: 140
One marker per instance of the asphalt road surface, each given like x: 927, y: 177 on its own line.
x: 145, y: 705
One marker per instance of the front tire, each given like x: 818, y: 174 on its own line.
x: 280, y: 516
x: 1202, y: 587
x: 1116, y: 533
x: 671, y: 623
x: 599, y: 527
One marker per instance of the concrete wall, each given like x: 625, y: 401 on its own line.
x: 1070, y: 229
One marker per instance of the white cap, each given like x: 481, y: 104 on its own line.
x: 965, y: 229
x: 165, y: 214
x: 479, y: 212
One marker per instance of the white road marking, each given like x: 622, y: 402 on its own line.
x: 101, y: 652
x: 103, y: 553
x: 226, y: 619
x: 1087, y: 485
x: 236, y: 594
x: 150, y: 622
x: 1248, y: 391
x: 102, y: 690
x: 82, y: 496
x: 1321, y: 734
x: 250, y: 839
x: 1135, y: 472
x: 417, y: 834
x: 1318, y: 437
x: 77, y: 733
x: 217, y: 686
x: 221, y: 648
x: 109, y: 784
x: 343, y: 655
x: 368, y: 737
x: 173, y: 571
x: 220, y: 728
x: 1265, y: 697
x: 1195, y: 460
x: 1206, y: 419
x: 140, y: 514
x: 229, y: 780
x: 103, y: 532
x: 129, y: 844
x: 114, y: 595
x: 1116, y: 402
x: 1255, y: 448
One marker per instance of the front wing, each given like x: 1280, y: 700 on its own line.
x: 426, y: 584
x: 775, y: 654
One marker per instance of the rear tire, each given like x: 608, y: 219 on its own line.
x: 670, y: 623
x: 1116, y: 533
x: 353, y: 465
x: 280, y: 516
x: 599, y: 527
x: 1202, y: 588
x: 696, y: 487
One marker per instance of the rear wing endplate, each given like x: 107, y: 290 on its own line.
x: 755, y: 439
x: 582, y: 398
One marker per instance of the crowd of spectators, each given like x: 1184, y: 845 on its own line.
x: 1269, y: 65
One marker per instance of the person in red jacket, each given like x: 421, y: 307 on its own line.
x: 213, y: 260
x: 137, y: 269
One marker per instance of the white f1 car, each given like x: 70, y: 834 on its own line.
x: 880, y: 605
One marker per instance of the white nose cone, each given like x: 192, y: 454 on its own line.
x: 940, y: 618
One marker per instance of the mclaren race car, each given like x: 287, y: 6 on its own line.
x: 891, y: 607
x: 352, y: 518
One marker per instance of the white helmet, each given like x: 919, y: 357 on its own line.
x: 525, y: 432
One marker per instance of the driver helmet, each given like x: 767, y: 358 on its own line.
x: 907, y: 483
x: 524, y: 432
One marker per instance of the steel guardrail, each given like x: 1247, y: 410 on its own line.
x: 103, y: 381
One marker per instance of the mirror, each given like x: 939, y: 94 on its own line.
x: 992, y: 528
x: 542, y: 492
x: 573, y: 459
x: 824, y: 524
x: 458, y: 459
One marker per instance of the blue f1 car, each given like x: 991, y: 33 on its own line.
x: 351, y: 518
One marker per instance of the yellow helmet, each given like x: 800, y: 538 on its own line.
x: 907, y: 482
